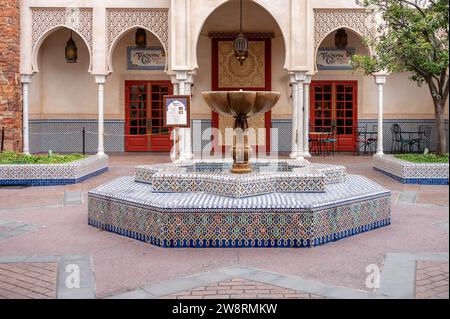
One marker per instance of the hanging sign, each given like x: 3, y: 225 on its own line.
x: 335, y: 59
x: 149, y: 58
x: 177, y: 110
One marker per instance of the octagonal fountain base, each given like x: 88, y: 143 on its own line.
x: 187, y: 212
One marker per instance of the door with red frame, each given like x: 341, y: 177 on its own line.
x: 144, y: 116
x: 335, y: 102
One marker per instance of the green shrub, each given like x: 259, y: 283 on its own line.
x: 423, y: 158
x: 17, y: 158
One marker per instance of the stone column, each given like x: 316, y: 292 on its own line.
x: 187, y: 130
x: 184, y: 87
x: 26, y: 80
x: 306, y: 116
x: 294, y: 88
x: 100, y: 80
x: 380, y: 79
x: 181, y: 132
x: 300, y: 77
x: 174, y: 150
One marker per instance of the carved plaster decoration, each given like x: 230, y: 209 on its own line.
x: 328, y: 20
x: 155, y: 20
x: 45, y: 19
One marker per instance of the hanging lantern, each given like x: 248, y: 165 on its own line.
x: 241, y: 48
x: 141, y: 38
x: 241, y: 45
x: 340, y: 39
x: 71, y: 50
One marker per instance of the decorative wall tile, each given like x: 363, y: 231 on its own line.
x: 413, y: 173
x: 45, y: 19
x: 52, y: 174
x: 122, y: 19
x: 274, y: 220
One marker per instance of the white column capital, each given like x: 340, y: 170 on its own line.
x: 100, y: 79
x: 308, y: 79
x: 181, y: 75
x: 25, y: 78
x: 380, y: 78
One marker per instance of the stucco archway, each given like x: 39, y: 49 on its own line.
x: 347, y: 28
x: 201, y: 18
x: 44, y: 36
x: 123, y: 34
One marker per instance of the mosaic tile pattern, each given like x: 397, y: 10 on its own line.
x: 212, y: 176
x: 65, y: 135
x: 272, y: 220
x: 412, y: 173
x: 52, y: 174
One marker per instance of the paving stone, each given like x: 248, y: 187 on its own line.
x: 24, y: 280
x: 432, y: 280
x: 238, y: 288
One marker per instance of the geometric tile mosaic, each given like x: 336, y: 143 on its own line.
x: 213, y: 177
x: 126, y: 207
x: 412, y: 173
x: 52, y: 174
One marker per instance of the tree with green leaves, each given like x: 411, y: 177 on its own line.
x: 412, y: 36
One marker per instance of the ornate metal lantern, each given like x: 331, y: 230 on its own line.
x: 141, y: 38
x: 241, y: 45
x: 71, y: 50
x: 340, y: 39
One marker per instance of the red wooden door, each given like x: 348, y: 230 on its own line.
x: 335, y: 102
x: 144, y: 121
x: 160, y: 134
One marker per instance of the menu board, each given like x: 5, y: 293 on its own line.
x: 177, y: 110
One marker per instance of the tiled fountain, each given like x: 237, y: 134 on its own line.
x: 266, y: 203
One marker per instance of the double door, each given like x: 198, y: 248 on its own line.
x: 144, y: 116
x: 334, y: 104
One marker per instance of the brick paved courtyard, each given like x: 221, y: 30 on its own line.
x: 432, y: 280
x: 240, y: 288
x: 28, y: 280
x: 42, y: 227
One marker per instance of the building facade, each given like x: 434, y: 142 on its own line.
x: 114, y: 91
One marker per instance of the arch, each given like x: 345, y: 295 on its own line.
x: 221, y: 3
x: 121, y: 35
x: 361, y: 37
x: 45, y: 35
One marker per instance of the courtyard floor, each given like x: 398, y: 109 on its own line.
x: 44, y: 230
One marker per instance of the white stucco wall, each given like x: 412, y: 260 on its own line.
x: 62, y: 90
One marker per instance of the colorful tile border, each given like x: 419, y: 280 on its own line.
x: 53, y: 174
x: 213, y: 177
x: 273, y: 220
x: 412, y: 173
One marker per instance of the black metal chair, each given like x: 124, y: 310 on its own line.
x: 399, y: 143
x: 364, y: 139
x: 423, y: 140
x: 314, y: 145
x: 372, y: 139
x: 329, y: 142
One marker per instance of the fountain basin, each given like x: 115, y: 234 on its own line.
x: 202, y: 220
x: 213, y: 177
x: 191, y: 215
